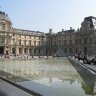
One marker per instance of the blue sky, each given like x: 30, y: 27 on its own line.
x: 41, y: 15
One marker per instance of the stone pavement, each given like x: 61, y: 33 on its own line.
x: 91, y: 67
x: 7, y: 89
x: 88, y: 66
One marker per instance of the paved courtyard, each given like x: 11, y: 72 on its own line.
x: 7, y: 89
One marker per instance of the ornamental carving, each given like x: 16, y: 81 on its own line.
x: 85, y: 25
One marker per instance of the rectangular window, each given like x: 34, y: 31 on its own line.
x: 55, y: 43
x: 34, y: 37
x: 39, y: 43
x: 70, y: 42
x: 90, y: 40
x: 70, y: 50
x: 79, y: 41
x: 85, y: 40
x: 24, y: 42
x: 20, y: 50
x: 65, y: 50
x: 13, y: 34
x: 30, y: 43
x: 2, y: 40
x: 59, y: 43
x: 76, y: 42
x: 25, y: 50
x: 65, y: 42
x: 34, y: 43
x: 19, y: 42
x: 2, y: 26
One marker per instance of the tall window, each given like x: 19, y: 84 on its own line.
x: 34, y: 37
x: 30, y: 51
x: 39, y: 43
x: 55, y: 43
x: 70, y: 50
x: 85, y: 40
x: 13, y: 34
x: 76, y: 42
x: 24, y: 42
x: 70, y: 42
x: 59, y: 43
x: 90, y: 40
x: 2, y: 40
x: 65, y: 42
x: 30, y: 42
x: 2, y: 26
x: 19, y: 50
x: 19, y: 42
x: 65, y: 50
x: 25, y: 50
x: 13, y: 40
x: 34, y: 50
x: 34, y: 43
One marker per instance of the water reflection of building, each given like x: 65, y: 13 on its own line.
x: 18, y: 75
x: 89, y: 78
x: 65, y: 42
x: 30, y: 70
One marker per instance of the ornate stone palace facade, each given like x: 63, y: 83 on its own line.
x: 66, y: 42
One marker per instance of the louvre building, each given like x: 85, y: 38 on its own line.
x: 15, y: 41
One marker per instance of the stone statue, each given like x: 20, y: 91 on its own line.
x: 94, y: 23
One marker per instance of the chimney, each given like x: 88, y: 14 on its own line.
x: 50, y: 31
x: 62, y: 30
x: 70, y: 28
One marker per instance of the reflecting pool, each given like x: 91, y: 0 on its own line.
x: 55, y: 77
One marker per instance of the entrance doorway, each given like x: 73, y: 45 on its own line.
x: 1, y: 50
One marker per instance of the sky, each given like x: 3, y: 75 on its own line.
x: 42, y: 15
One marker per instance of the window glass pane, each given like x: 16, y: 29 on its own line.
x: 2, y: 40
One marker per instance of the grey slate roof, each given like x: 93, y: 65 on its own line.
x: 4, y: 16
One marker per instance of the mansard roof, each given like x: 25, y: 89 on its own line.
x: 4, y: 16
x: 89, y: 18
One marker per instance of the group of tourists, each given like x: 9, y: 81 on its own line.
x: 85, y: 59
x: 25, y: 56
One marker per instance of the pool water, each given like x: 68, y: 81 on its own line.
x: 49, y: 77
